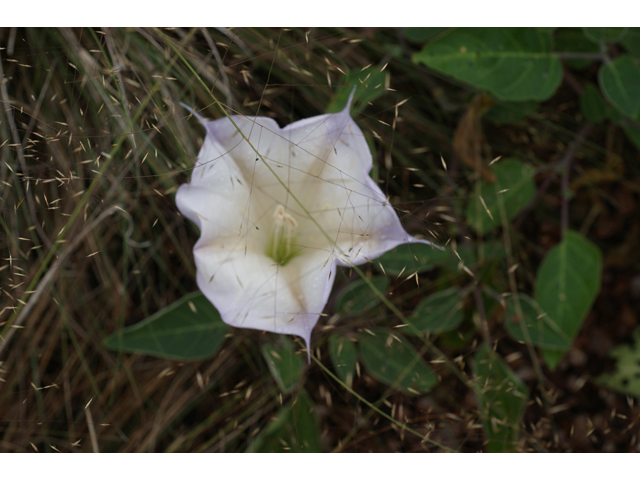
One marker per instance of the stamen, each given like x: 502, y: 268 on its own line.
x: 281, y: 244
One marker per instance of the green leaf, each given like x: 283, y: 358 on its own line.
x: 390, y: 359
x: 511, y: 175
x: 409, y: 258
x: 188, y: 329
x: 631, y: 41
x: 285, y: 366
x: 294, y: 429
x: 605, y: 34
x: 501, y: 397
x: 593, y: 105
x: 369, y: 85
x: 573, y: 40
x: 512, y: 63
x: 620, y: 83
x: 439, y: 312
x: 567, y: 284
x: 535, y: 326
x: 358, y: 297
x: 343, y: 356
x: 625, y: 378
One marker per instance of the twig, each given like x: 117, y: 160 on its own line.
x: 92, y: 430
x: 564, y: 161
x: 603, y: 52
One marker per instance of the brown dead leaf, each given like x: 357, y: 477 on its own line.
x: 468, y: 137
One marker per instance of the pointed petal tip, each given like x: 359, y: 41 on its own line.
x: 307, y: 341
x: 192, y: 111
x: 419, y: 240
x: 347, y: 108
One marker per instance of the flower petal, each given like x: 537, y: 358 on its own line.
x: 300, y: 153
x: 358, y: 223
x: 251, y: 291
x: 336, y: 215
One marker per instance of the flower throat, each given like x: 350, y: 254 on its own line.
x: 281, y: 246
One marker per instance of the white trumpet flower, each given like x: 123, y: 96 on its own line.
x: 278, y: 210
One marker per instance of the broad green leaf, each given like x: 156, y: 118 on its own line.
x: 358, y: 297
x: 514, y: 64
x: 285, y: 366
x: 620, y: 83
x: 501, y: 397
x: 188, y: 329
x: 593, y: 105
x: 343, y: 356
x: 409, y: 258
x: 573, y: 40
x: 535, y: 326
x: 293, y: 429
x: 369, y: 85
x: 439, y: 312
x: 631, y: 41
x: 568, y: 281
x: 390, y: 358
x: 511, y: 175
x: 511, y: 112
x: 605, y: 34
x: 567, y: 284
x: 625, y: 378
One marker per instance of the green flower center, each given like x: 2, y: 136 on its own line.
x: 282, y: 246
